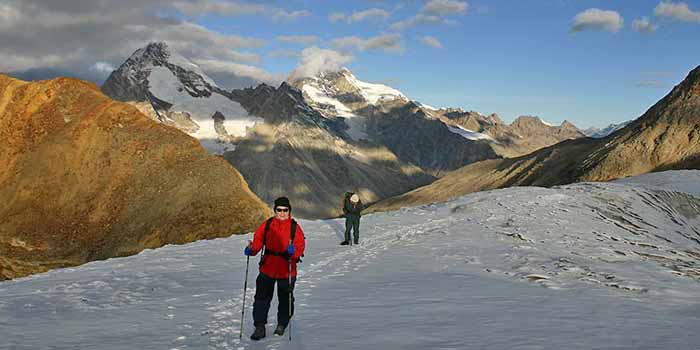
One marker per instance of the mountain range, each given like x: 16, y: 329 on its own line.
x: 313, y: 138
x: 161, y: 154
x: 665, y: 137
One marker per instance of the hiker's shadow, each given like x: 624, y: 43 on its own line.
x: 338, y: 227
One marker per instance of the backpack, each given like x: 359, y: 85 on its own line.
x: 271, y: 252
x: 346, y: 199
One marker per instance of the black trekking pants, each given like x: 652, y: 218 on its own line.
x: 264, y: 290
x: 352, y: 222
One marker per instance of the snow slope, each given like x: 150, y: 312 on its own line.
x: 186, y: 97
x: 591, y: 265
x: 611, y: 128
x: 164, y: 85
x: 327, y: 91
x: 686, y: 181
x: 468, y: 134
x: 373, y: 93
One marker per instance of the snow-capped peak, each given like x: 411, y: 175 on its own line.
x: 340, y: 94
x: 343, y: 86
x: 179, y: 93
x: 373, y: 93
x: 160, y: 54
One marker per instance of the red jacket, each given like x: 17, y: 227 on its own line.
x: 277, y: 240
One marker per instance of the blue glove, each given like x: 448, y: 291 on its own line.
x: 247, y: 251
x: 290, y: 249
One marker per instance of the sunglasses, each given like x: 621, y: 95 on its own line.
x: 282, y: 210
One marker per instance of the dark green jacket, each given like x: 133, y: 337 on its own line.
x: 352, y: 210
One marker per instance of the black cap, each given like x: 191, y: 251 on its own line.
x: 282, y: 202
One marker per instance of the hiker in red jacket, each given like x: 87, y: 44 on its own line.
x: 283, y: 240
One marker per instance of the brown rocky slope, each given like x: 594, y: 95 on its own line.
x: 665, y: 137
x: 524, y: 135
x: 83, y: 177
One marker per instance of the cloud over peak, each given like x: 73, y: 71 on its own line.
x: 315, y: 60
x: 87, y: 38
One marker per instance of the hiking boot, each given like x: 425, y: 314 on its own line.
x: 344, y: 243
x: 356, y: 242
x: 280, y: 329
x: 259, y: 333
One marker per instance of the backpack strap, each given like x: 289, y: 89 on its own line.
x: 267, y: 228
x: 291, y: 235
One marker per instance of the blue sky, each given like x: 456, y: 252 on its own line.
x: 589, y: 62
x: 513, y: 57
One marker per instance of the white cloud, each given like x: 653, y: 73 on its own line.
x: 103, y: 67
x: 73, y: 36
x: 677, y: 10
x: 432, y: 42
x: 597, y: 19
x: 243, y: 56
x: 643, y: 25
x: 370, y: 14
x: 196, y: 8
x: 193, y: 34
x: 434, y: 13
x: 387, y: 43
x: 445, y: 7
x: 283, y: 16
x: 298, y: 39
x: 315, y: 60
x: 373, y: 14
x: 421, y: 19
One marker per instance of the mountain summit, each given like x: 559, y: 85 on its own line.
x: 174, y: 90
x: 340, y: 94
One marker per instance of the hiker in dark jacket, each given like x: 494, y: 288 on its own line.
x: 352, y: 208
x: 274, y: 266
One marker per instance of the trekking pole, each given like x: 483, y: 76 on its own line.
x: 289, y: 289
x: 245, y: 287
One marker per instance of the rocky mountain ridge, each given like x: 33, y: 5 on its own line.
x: 84, y: 177
x: 524, y: 135
x: 665, y: 137
x: 288, y: 123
